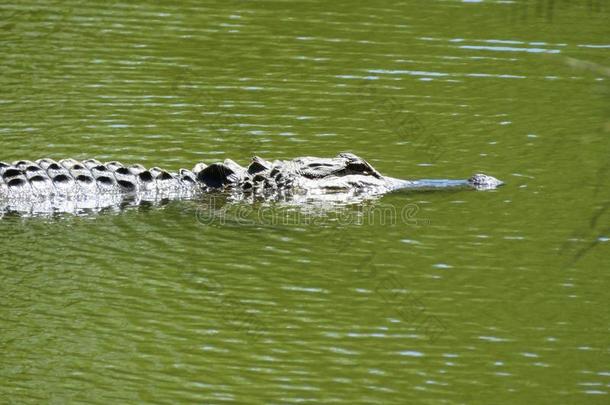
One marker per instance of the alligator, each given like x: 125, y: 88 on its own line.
x: 71, y: 186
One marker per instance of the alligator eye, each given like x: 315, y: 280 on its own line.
x: 32, y: 169
x: 53, y: 166
x: 100, y: 168
x: 78, y: 167
x: 356, y: 167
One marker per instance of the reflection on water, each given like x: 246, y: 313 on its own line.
x: 476, y: 297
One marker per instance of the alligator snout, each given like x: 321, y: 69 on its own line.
x: 482, y: 181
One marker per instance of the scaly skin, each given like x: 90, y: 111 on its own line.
x: 70, y: 186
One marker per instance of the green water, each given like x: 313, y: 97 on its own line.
x: 471, y: 298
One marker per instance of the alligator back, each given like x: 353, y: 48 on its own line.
x: 69, y: 178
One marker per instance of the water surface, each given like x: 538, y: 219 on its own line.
x: 431, y: 297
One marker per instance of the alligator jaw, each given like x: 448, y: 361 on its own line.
x: 398, y: 184
x: 478, y: 182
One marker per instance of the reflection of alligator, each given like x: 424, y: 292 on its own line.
x: 69, y: 185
